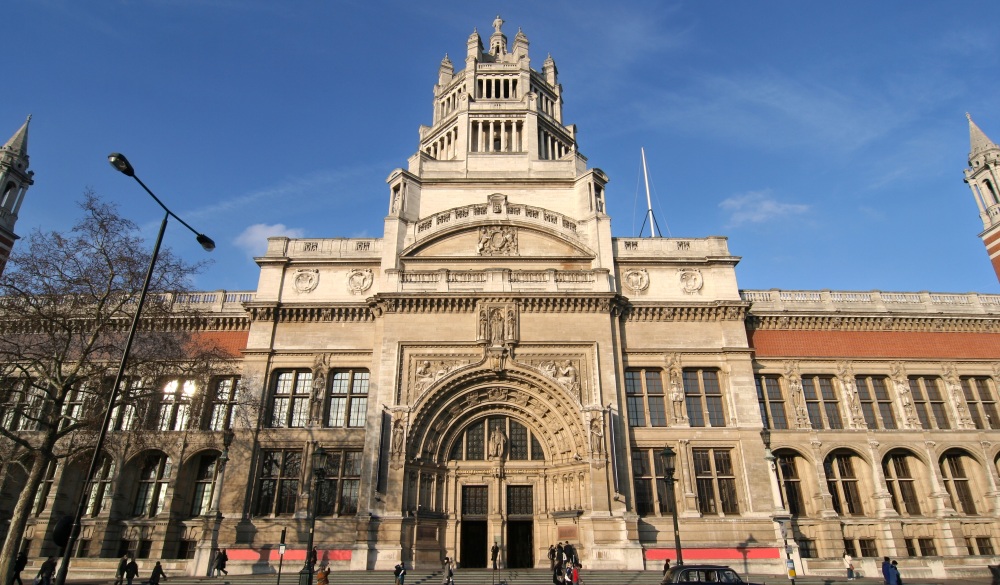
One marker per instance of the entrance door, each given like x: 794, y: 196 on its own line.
x: 520, y: 546
x: 474, y: 547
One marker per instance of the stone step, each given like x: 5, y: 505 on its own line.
x: 462, y: 577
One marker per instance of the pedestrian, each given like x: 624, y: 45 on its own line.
x: 313, y: 557
x: 569, y: 573
x: 494, y: 553
x: 131, y: 570
x: 666, y: 567
x: 849, y: 565
x: 576, y: 573
x: 448, y: 573
x: 557, y: 573
x: 400, y: 573
x: 552, y: 557
x: 19, y: 564
x: 46, y: 570
x: 220, y: 563
x: 120, y: 571
x: 154, y: 578
x: 559, y: 552
x: 886, y: 571
x: 323, y: 575
x: 571, y: 556
x: 895, y: 579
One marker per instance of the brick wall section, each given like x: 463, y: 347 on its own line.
x: 875, y: 344
x: 232, y: 342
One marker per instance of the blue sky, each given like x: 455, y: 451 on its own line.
x: 826, y: 140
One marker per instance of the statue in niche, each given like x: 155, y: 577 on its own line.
x: 397, y: 438
x: 596, y: 435
x: 496, y: 327
x: 484, y: 327
x: 511, y: 324
x: 497, y: 443
x: 569, y: 377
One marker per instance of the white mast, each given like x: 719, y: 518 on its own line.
x: 649, y: 204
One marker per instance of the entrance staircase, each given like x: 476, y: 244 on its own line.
x: 417, y: 577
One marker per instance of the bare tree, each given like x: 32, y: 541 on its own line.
x: 66, y: 302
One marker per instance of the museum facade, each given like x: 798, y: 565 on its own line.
x: 498, y: 368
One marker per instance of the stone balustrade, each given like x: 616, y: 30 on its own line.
x: 500, y: 280
x: 871, y: 301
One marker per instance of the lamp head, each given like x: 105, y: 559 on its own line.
x: 319, y: 461
x: 227, y: 437
x: 121, y: 163
x: 765, y: 435
x: 669, y: 457
x: 206, y: 242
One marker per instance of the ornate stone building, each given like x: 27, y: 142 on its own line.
x: 15, y: 178
x: 497, y: 368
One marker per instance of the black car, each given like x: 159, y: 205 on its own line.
x: 702, y: 574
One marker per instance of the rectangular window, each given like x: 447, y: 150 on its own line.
x: 867, y: 547
x: 290, y: 406
x: 703, y: 398
x: 772, y: 402
x: 927, y: 548
x: 985, y: 545
x: 225, y: 396
x: 474, y: 500
x: 927, y: 401
x: 520, y: 501
x: 821, y: 402
x: 175, y: 404
x: 348, y: 399
x: 982, y: 402
x: 633, y: 398
x: 278, y: 484
x: 875, y: 403
x: 716, y: 481
x: 957, y: 483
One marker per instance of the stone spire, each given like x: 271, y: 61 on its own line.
x: 15, y: 178
x: 978, y: 141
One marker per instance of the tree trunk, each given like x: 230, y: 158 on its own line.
x: 19, y: 519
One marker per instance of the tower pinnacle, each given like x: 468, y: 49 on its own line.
x: 15, y: 178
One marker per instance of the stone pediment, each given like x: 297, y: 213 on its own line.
x: 499, y: 240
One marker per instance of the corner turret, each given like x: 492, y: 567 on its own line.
x: 981, y: 176
x: 15, y: 178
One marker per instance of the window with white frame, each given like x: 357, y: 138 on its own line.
x: 225, y: 397
x: 175, y: 404
x: 703, y: 397
x: 347, y: 403
x: 290, y: 404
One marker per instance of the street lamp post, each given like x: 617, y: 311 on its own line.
x: 319, y: 473
x: 121, y: 163
x: 213, y: 511
x: 669, y: 462
x: 781, y: 516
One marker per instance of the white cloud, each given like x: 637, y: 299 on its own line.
x: 254, y: 238
x: 758, y: 207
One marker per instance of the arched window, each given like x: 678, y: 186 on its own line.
x: 8, y: 194
x: 790, y: 482
x: 518, y: 443
x: 204, y: 484
x: 958, y: 483
x: 843, y: 484
x: 897, y: 469
x: 993, y: 192
x: 100, y: 494
x: 153, y: 481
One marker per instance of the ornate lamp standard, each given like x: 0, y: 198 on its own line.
x: 781, y: 516
x: 319, y: 474
x: 669, y: 461
x: 121, y: 163
x: 213, y: 512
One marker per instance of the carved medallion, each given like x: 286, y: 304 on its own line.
x: 636, y: 280
x: 496, y: 240
x: 306, y: 280
x: 691, y: 280
x: 358, y: 281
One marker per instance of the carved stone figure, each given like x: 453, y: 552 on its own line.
x: 483, y: 332
x: 497, y: 443
x: 397, y: 437
x: 597, y: 435
x: 691, y: 280
x: 496, y: 327
x: 511, y: 324
x: 497, y: 241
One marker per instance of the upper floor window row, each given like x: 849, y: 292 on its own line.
x: 699, y: 401
x: 879, y: 401
x: 339, y: 401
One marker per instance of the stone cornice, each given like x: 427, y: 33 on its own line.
x: 937, y: 324
x: 309, y: 313
x: 719, y: 311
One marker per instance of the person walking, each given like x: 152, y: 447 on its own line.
x: 666, y: 567
x: 19, y: 564
x: 131, y: 570
x: 849, y: 565
x: 323, y: 575
x: 449, y: 572
x: 886, y: 570
x: 399, y: 571
x: 154, y: 578
x: 894, y: 578
x: 120, y: 571
x: 46, y: 571
x: 220, y: 563
x: 559, y: 553
x: 557, y: 573
x: 576, y: 573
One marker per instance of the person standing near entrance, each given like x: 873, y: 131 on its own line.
x: 552, y: 557
x: 494, y: 553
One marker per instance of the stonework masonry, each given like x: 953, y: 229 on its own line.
x: 498, y: 368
